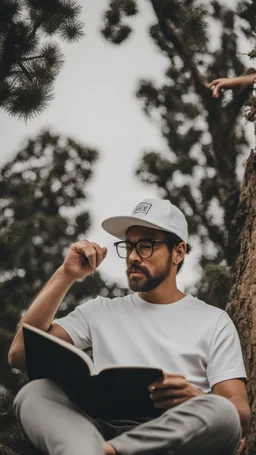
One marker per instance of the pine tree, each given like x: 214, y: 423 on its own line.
x: 206, y: 142
x: 43, y: 211
x: 29, y: 58
x: 242, y: 301
x: 205, y: 137
x: 39, y: 187
x: 242, y: 306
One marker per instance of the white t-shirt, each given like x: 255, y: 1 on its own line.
x: 187, y: 337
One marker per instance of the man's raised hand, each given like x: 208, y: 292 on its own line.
x: 83, y: 258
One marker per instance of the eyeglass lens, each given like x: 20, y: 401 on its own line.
x: 143, y: 248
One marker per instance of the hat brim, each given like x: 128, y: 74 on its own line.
x: 118, y: 225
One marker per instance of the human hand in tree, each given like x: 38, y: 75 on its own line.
x: 229, y: 82
x: 83, y: 258
x: 172, y: 390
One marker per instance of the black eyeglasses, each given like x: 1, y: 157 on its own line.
x: 144, y: 248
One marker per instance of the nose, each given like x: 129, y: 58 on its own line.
x: 133, y: 256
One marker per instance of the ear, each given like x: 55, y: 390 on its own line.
x: 178, y: 253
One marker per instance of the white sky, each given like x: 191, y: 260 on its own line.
x: 95, y: 103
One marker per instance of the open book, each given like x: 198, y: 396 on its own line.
x: 114, y: 393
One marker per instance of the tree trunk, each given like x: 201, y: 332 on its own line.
x: 242, y: 306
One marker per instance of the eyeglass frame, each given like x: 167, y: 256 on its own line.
x: 134, y: 245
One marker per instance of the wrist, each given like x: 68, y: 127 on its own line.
x: 63, y: 275
x: 200, y: 392
x: 250, y: 79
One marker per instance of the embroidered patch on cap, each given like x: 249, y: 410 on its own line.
x: 143, y: 208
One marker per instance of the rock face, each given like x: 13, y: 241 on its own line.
x: 13, y: 442
x: 242, y: 306
x: 6, y: 450
x: 12, y: 439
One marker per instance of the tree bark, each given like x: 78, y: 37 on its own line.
x: 242, y: 300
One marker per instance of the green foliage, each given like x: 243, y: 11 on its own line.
x: 43, y: 211
x: 215, y: 284
x: 115, y: 30
x: 247, y: 11
x: 29, y: 59
x: 205, y: 137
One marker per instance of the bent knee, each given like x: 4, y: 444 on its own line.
x: 33, y: 391
x: 224, y: 415
x: 214, y: 412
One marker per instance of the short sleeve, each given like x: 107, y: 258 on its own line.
x: 76, y: 324
x: 225, y: 359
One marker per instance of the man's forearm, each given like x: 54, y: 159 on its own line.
x: 244, y: 413
x: 41, y: 313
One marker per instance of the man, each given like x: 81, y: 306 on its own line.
x: 195, y: 344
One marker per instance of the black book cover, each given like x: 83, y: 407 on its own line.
x: 114, y: 393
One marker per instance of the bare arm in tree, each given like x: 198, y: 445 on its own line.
x: 230, y: 82
x: 82, y: 260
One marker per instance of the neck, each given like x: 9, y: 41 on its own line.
x: 166, y: 292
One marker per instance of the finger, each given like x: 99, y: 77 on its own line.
x: 214, y: 82
x: 86, y: 249
x: 99, y: 253
x: 172, y: 375
x: 165, y: 375
x: 90, y: 253
x: 104, y: 253
x: 172, y: 393
x: 216, y: 91
x: 168, y: 382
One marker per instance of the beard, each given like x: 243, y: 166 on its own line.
x: 147, y: 282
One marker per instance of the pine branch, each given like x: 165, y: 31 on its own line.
x: 15, y: 79
x: 15, y: 72
x: 35, y: 28
x: 212, y: 107
x: 26, y: 59
x: 170, y: 35
x: 161, y: 42
x: 215, y: 234
x: 233, y: 108
x: 25, y: 71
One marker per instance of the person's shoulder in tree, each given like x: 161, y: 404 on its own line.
x: 224, y: 83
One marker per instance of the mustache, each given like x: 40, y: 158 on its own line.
x: 137, y: 268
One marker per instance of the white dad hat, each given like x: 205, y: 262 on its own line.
x: 155, y: 213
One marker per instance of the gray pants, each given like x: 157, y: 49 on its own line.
x: 207, y: 424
